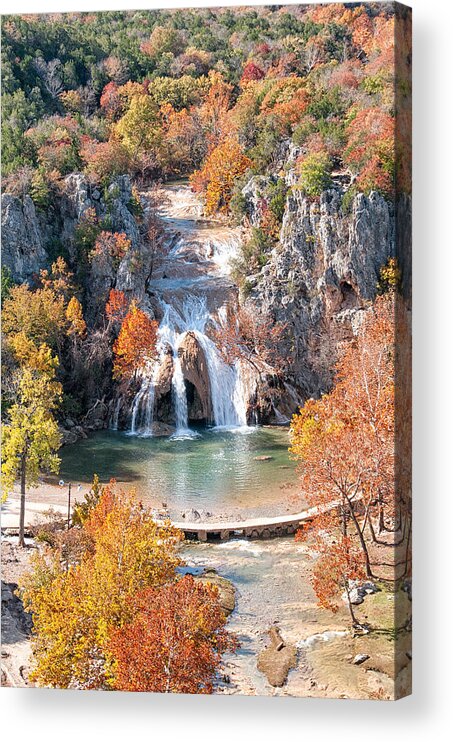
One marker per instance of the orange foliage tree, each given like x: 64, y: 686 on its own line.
x: 104, y: 160
x: 135, y: 345
x: 111, y: 246
x: 249, y: 336
x: 370, y: 150
x: 224, y: 165
x: 116, y: 306
x: 175, y: 641
x: 346, y: 444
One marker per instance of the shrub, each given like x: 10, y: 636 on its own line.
x: 314, y: 171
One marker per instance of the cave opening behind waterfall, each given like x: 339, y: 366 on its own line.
x: 195, y: 407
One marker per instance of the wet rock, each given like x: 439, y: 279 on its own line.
x: 195, y: 371
x: 161, y: 429
x: 278, y: 659
x: 262, y: 458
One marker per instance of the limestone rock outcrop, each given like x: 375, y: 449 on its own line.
x: 23, y: 251
x: 321, y: 276
x: 195, y: 371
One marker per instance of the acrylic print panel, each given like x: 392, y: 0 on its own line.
x: 206, y: 287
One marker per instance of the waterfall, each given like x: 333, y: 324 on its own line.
x: 227, y: 401
x: 228, y: 398
x: 149, y: 408
x: 136, y: 405
x: 116, y: 413
x: 179, y: 395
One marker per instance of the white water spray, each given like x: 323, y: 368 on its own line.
x: 226, y: 385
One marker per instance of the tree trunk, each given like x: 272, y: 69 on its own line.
x: 369, y: 572
x: 23, y: 465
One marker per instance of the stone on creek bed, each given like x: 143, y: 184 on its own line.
x: 278, y: 659
x: 227, y: 591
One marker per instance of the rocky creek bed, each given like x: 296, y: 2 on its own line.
x: 264, y: 588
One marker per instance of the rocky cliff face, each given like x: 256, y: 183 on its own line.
x: 27, y: 238
x: 23, y: 251
x: 321, y: 276
x: 319, y: 279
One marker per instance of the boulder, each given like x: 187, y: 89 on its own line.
x: 277, y: 659
x: 195, y: 370
x: 359, y: 590
x: 227, y: 592
x: 165, y: 374
x: 161, y: 429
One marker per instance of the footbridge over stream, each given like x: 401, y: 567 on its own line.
x: 257, y: 527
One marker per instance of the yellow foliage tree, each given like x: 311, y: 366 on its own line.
x: 31, y: 438
x: 138, y: 129
x: 75, y: 609
x: 74, y: 315
x: 39, y: 314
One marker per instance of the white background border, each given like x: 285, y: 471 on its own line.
x: 49, y: 715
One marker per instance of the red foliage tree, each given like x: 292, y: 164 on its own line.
x: 175, y: 642
x: 250, y: 72
x: 111, y: 102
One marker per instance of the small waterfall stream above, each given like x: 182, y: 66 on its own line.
x: 190, y: 289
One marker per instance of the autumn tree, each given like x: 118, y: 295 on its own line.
x: 250, y: 72
x: 346, y: 444
x: 135, y: 345
x: 39, y: 314
x: 163, y: 41
x: 126, y: 551
x: 223, y: 166
x: 74, y: 315
x: 111, y: 102
x: 175, y: 641
x: 184, y: 142
x: 30, y: 437
x: 59, y: 279
x: 116, y: 306
x: 370, y: 150
x: 138, y: 129
x: 105, y: 160
x: 110, y: 247
x: 214, y: 109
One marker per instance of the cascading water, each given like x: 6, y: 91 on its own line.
x: 226, y: 385
x: 179, y: 396
x: 116, y: 413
